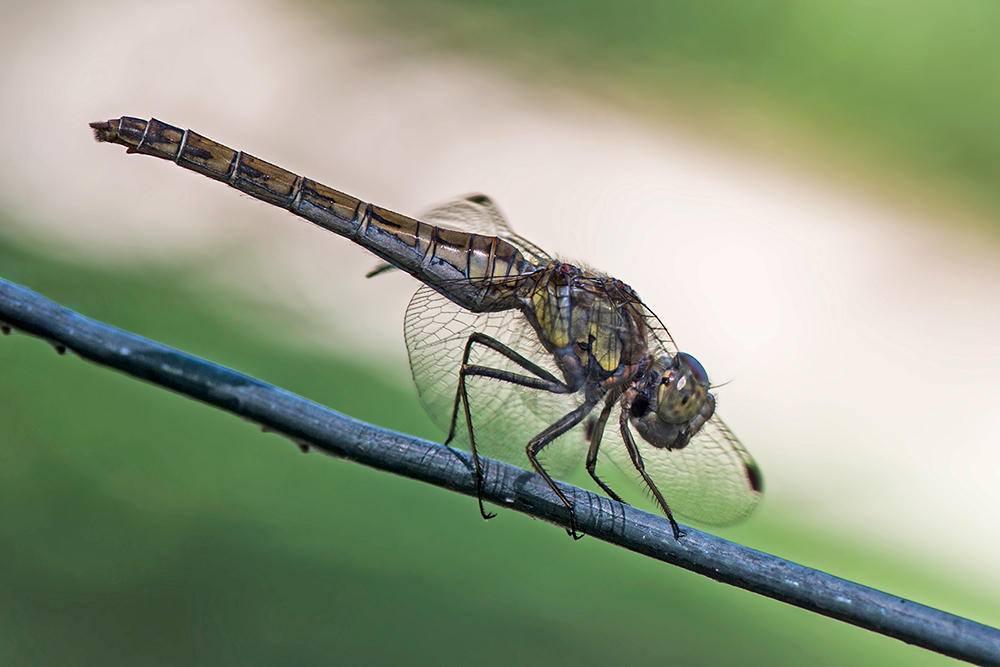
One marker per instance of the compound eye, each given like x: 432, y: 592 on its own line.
x: 679, y: 400
x: 683, y: 392
x: 698, y: 373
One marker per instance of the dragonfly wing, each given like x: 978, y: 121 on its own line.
x: 505, y: 416
x: 477, y: 214
x: 713, y: 480
x: 657, y: 336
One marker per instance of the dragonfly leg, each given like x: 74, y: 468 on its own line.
x: 464, y: 396
x: 544, y: 381
x: 539, y: 442
x: 495, y: 345
x: 595, y: 446
x: 636, y: 457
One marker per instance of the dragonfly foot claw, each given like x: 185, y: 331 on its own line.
x: 678, y: 533
x: 482, y: 510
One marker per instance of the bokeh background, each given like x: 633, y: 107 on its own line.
x: 805, y: 192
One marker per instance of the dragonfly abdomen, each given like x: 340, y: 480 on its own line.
x: 457, y: 264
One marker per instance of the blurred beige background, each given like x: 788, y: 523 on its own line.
x: 860, y: 343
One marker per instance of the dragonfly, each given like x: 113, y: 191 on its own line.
x: 512, y: 351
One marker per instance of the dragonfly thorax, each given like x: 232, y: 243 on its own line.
x: 589, y: 322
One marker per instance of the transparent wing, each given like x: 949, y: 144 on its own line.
x: 505, y: 416
x: 658, y: 339
x: 477, y: 214
x: 713, y: 480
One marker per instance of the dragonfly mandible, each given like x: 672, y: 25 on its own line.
x: 513, y: 350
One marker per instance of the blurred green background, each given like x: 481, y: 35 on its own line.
x: 905, y: 96
x: 141, y: 528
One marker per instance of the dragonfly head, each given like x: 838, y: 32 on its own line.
x: 676, y: 406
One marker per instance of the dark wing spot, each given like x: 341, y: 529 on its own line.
x: 754, y: 477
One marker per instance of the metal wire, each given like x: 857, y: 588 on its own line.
x: 315, y: 426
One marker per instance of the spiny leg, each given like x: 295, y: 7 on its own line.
x: 526, y: 364
x: 544, y: 438
x: 545, y: 382
x: 496, y: 373
x: 636, y: 457
x: 595, y: 446
x: 472, y: 441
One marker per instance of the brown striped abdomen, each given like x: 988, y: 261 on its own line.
x: 477, y: 272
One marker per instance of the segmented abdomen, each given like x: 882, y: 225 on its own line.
x: 475, y: 271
